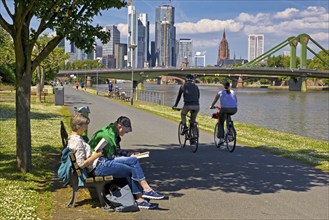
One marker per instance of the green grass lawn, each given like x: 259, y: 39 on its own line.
x: 28, y: 196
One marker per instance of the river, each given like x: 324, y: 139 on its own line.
x: 300, y: 113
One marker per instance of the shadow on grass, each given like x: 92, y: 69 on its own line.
x: 307, y: 156
x: 9, y: 112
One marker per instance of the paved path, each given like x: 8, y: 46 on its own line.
x: 212, y: 183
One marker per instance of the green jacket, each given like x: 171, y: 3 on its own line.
x: 111, y: 134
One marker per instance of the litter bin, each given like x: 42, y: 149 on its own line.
x: 59, y: 95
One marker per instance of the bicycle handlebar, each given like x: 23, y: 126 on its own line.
x: 218, y: 107
x: 176, y: 108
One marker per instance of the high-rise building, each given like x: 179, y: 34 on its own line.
x: 132, y: 35
x: 120, y: 51
x: 223, y: 50
x: 75, y: 53
x: 184, y: 53
x: 165, y: 36
x: 255, y: 46
x: 108, y: 48
x: 143, y: 41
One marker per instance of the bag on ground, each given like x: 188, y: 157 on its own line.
x: 121, y: 199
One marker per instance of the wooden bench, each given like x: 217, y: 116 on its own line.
x: 97, y: 182
x: 44, y: 93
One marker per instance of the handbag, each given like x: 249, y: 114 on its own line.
x: 122, y: 199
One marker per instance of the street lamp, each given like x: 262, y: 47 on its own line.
x: 132, y: 49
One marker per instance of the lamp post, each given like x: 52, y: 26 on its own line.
x: 97, y: 82
x: 132, y: 49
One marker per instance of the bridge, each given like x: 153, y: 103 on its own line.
x: 237, y: 74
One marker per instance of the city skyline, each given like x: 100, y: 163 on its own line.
x: 204, y: 23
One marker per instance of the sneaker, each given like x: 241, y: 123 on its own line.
x: 184, y: 131
x: 221, y: 141
x: 152, y: 195
x: 146, y: 205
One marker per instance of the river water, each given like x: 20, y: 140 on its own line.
x: 305, y: 114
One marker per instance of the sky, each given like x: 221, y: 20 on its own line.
x: 204, y: 21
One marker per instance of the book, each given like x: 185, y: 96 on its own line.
x: 101, y: 144
x: 141, y: 155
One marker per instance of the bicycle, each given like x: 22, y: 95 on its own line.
x: 191, y: 134
x: 229, y: 132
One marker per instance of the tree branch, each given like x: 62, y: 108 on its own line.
x: 6, y: 26
x: 51, y: 45
x: 7, y: 9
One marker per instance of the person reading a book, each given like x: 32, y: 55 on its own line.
x: 83, y: 154
x: 120, y: 163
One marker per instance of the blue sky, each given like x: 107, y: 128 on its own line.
x: 204, y: 22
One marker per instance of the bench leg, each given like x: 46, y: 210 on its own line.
x: 71, y: 203
x: 100, y: 194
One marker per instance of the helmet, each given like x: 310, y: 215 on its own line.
x: 189, y: 77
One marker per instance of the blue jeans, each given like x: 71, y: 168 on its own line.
x: 122, y: 167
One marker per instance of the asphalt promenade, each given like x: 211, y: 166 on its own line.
x: 212, y: 183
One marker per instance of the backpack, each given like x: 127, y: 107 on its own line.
x: 121, y: 199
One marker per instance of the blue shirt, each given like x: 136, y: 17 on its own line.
x: 228, y: 100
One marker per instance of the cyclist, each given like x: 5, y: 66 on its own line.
x: 191, y: 96
x: 229, y: 105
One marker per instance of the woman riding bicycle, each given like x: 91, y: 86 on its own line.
x: 229, y: 105
x: 191, y: 96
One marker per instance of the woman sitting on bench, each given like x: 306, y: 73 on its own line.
x: 82, y: 151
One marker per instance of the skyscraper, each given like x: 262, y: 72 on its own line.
x: 165, y: 36
x: 143, y: 41
x: 184, y: 53
x: 255, y: 46
x: 108, y: 48
x: 132, y: 35
x: 223, y: 50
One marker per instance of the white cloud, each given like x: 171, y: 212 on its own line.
x: 208, y: 26
x: 313, y: 11
x: 256, y: 19
x: 287, y: 13
x: 320, y: 36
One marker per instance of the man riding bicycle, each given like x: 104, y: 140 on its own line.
x: 191, y: 96
x: 229, y: 105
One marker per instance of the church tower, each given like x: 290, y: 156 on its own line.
x: 223, y: 50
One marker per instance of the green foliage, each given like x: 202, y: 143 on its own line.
x: 7, y: 74
x: 280, y: 61
x: 6, y: 48
x: 317, y: 63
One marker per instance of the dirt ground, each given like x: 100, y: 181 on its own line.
x: 86, y: 207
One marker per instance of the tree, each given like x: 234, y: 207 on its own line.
x: 51, y: 62
x: 317, y: 63
x: 69, y: 18
x: 7, y: 57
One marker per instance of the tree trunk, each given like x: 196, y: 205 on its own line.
x: 23, y: 127
x: 39, y: 87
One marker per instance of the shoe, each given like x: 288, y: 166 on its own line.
x: 221, y: 141
x: 146, y: 205
x: 152, y: 195
x: 185, y: 130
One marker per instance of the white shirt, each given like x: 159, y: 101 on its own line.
x: 81, y: 150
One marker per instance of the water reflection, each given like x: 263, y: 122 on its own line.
x: 288, y: 111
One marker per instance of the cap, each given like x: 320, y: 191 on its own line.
x: 83, y: 110
x: 189, y: 77
x: 125, y: 123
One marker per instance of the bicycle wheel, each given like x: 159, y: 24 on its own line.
x: 194, y: 139
x: 230, y: 139
x: 181, y: 137
x: 216, y: 139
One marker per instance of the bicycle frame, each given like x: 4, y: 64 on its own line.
x: 192, y: 134
x: 229, y: 132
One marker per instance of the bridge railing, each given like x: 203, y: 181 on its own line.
x: 156, y: 97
